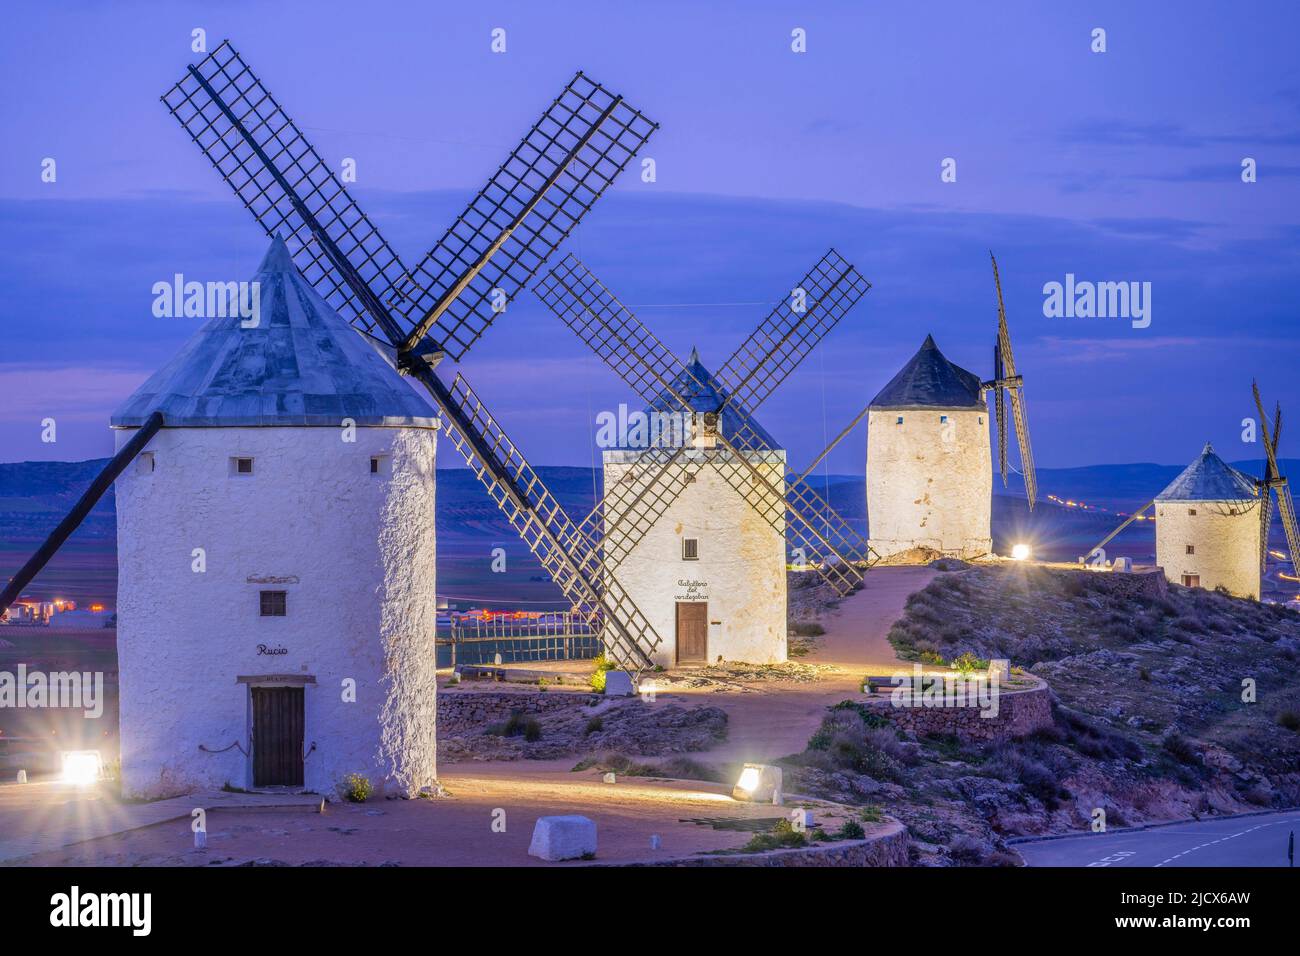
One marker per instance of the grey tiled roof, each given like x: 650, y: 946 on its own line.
x: 930, y: 381
x: 702, y: 392
x: 1210, y: 478
x: 302, y: 365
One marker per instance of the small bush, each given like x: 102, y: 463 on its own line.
x: 968, y: 663
x: 601, y: 665
x: 871, y: 813
x: 594, y: 725
x: 807, y: 629
x: 782, y: 836
x: 1180, y: 748
x: 357, y: 788
x: 851, y: 830
x: 1289, y: 719
x: 519, y: 725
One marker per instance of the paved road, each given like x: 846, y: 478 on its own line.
x: 1244, y: 841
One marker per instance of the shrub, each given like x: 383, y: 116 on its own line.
x: 871, y: 813
x: 601, y: 664
x: 851, y: 830
x: 1289, y: 719
x: 968, y: 663
x: 1180, y: 748
x: 519, y: 725
x: 594, y: 725
x: 781, y: 836
x: 807, y: 629
x: 357, y: 788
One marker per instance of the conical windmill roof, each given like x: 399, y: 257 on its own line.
x: 1210, y: 478
x: 929, y: 380
x: 302, y: 365
x: 702, y: 392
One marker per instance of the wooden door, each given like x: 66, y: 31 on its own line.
x: 692, y: 632
x: 277, y: 736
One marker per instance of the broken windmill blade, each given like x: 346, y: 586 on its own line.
x: 1275, y: 482
x: 776, y: 348
x: 1006, y: 380
x: 584, y: 139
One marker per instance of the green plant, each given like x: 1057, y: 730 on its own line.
x: 851, y: 830
x: 871, y: 813
x: 601, y: 664
x: 1289, y: 719
x: 781, y: 836
x: 968, y: 663
x: 542, y: 683
x: 518, y: 725
x: 594, y: 725
x: 357, y: 788
x: 807, y: 629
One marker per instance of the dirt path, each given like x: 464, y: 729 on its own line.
x: 777, y: 719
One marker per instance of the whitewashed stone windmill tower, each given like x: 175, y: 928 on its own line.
x: 1208, y: 527
x: 929, y: 460
x: 695, y: 521
x: 276, y: 599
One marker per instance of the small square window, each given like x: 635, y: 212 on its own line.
x: 900, y: 420
x: 943, y: 419
x: 690, y: 549
x: 381, y: 465
x: 1191, y: 511
x: 241, y: 466
x: 1191, y: 549
x: 1191, y: 580
x: 274, y: 603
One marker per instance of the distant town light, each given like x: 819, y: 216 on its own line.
x: 81, y: 767
x: 1020, y: 552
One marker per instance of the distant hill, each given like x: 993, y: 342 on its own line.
x: 34, y: 496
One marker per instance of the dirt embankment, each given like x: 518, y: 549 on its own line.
x: 1154, y: 717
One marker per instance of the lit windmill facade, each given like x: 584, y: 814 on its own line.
x: 1208, y: 527
x: 709, y: 571
x: 929, y: 463
x: 276, y: 599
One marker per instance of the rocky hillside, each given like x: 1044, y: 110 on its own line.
x: 1150, y: 719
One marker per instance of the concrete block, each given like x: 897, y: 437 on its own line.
x: 1122, y: 565
x: 758, y: 783
x: 618, y: 684
x: 563, y: 838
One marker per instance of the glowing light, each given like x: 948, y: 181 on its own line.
x: 1020, y: 552
x: 81, y: 767
x: 748, y: 779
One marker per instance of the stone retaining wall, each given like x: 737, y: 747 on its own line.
x: 470, y: 711
x: 1019, y: 713
x: 886, y: 848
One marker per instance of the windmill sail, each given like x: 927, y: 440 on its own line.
x: 1005, y: 377
x: 1277, y: 482
x: 779, y: 344
x: 565, y: 162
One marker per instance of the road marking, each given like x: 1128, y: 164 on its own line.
x: 1231, y: 836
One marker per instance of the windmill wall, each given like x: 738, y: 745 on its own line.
x: 929, y: 481
x: 1224, y: 536
x: 740, y: 572
x: 355, y: 553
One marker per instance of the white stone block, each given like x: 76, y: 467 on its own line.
x: 1001, y: 669
x: 618, y: 684
x: 758, y: 783
x: 1122, y: 565
x: 563, y: 838
x: 22, y: 776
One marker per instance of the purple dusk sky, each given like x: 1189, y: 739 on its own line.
x: 1116, y: 166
